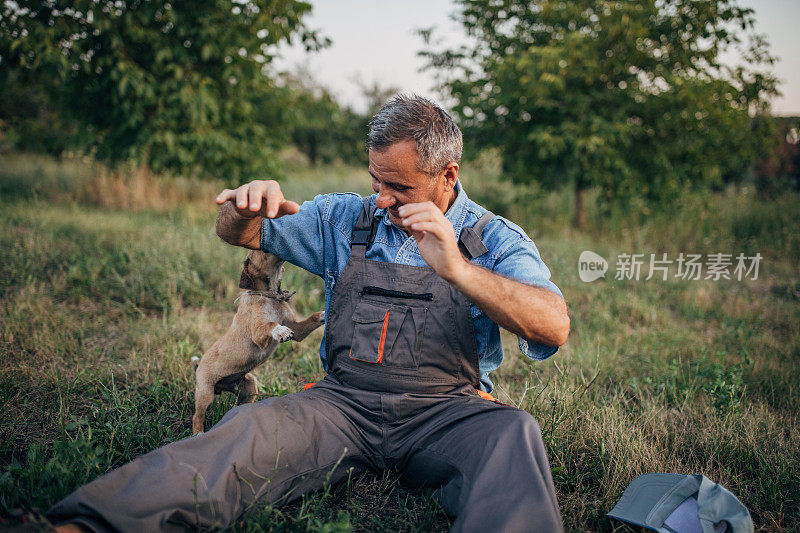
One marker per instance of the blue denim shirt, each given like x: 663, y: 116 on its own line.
x: 317, y: 238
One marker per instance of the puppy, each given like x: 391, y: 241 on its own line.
x: 263, y: 319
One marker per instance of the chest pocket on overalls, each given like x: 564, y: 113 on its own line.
x: 387, y: 333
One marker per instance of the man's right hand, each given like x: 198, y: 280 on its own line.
x: 259, y: 198
x: 237, y: 222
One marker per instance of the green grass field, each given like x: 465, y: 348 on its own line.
x: 109, y: 285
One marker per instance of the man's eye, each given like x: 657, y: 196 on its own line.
x: 399, y: 187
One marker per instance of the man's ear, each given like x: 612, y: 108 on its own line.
x: 246, y: 282
x: 451, y: 174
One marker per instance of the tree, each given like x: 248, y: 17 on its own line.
x: 179, y: 86
x: 324, y: 129
x: 319, y: 126
x: 375, y: 94
x: 780, y: 171
x: 630, y: 97
x: 28, y: 119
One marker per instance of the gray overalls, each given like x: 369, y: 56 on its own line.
x: 400, y: 394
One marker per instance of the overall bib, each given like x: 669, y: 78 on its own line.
x: 400, y: 394
x: 399, y: 328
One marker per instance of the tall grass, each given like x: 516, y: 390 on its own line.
x: 79, y: 179
x: 103, y: 302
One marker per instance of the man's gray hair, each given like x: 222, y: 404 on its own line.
x: 414, y: 118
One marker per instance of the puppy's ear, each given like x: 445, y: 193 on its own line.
x: 246, y: 282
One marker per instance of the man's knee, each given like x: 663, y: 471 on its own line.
x: 248, y: 414
x: 518, y: 424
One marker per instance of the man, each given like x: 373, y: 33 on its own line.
x: 417, y: 280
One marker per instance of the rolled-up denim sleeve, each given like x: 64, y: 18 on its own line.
x: 298, y: 238
x: 522, y: 262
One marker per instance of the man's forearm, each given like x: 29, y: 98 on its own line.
x: 534, y: 313
x: 238, y: 230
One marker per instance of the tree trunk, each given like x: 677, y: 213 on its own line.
x: 313, y: 153
x: 579, y: 218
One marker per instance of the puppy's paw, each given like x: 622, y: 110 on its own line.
x: 320, y: 317
x: 282, y: 333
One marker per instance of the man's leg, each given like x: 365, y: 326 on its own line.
x: 271, y: 451
x: 489, y: 463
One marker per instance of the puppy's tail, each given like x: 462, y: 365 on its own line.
x: 195, y: 361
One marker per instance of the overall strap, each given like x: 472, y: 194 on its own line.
x: 364, y: 231
x: 470, y: 241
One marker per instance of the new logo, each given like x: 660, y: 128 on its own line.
x: 591, y: 266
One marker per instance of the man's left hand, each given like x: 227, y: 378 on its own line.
x: 435, y: 238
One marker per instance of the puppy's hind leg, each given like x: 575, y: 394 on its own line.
x: 304, y: 327
x: 203, y: 396
x: 248, y: 389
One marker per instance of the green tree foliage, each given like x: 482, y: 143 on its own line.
x: 179, y: 86
x: 780, y: 170
x: 29, y: 121
x: 375, y: 95
x: 319, y: 126
x: 631, y: 97
x: 324, y: 129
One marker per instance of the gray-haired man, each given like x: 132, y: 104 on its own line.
x: 417, y: 279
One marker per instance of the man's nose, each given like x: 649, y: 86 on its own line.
x: 384, y: 199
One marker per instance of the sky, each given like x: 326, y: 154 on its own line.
x: 374, y: 41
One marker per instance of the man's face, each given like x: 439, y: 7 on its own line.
x: 397, y: 180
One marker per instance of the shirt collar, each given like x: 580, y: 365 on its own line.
x: 455, y: 214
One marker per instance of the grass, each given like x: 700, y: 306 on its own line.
x: 109, y: 283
